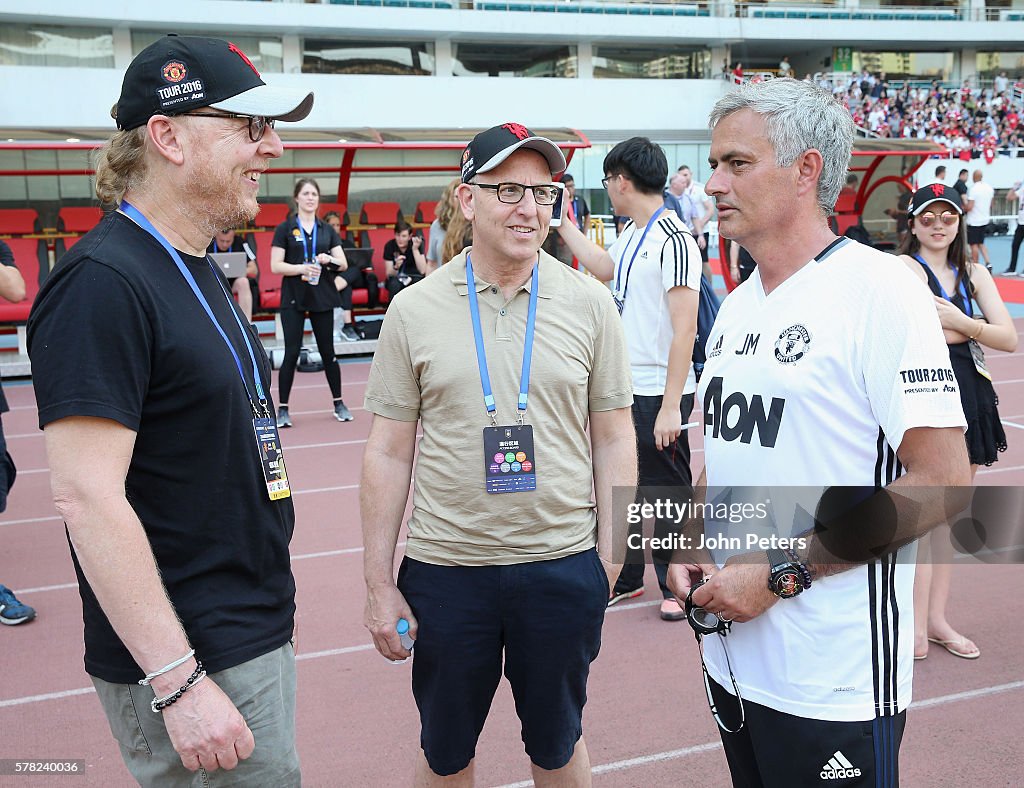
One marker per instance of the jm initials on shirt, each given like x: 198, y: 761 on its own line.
x: 749, y: 345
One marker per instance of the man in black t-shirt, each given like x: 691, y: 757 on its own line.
x: 961, y: 184
x: 154, y: 394
x: 246, y: 288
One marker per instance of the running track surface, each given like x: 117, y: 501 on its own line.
x: 646, y: 722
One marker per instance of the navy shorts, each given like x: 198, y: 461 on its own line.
x: 542, y: 619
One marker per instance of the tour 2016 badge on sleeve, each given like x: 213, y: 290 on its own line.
x: 510, y: 464
x: 272, y: 458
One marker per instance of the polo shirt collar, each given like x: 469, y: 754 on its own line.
x: 457, y: 273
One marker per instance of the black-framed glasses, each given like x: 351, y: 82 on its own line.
x: 948, y: 218
x: 258, y: 124
x: 511, y: 193
x: 606, y: 178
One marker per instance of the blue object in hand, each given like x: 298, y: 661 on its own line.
x: 403, y: 634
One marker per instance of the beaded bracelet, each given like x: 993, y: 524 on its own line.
x: 159, y: 704
x: 805, y: 573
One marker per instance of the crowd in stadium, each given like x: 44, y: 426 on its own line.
x: 971, y: 121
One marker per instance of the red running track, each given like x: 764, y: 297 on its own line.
x: 646, y: 723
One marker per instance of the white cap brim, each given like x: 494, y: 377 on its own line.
x: 921, y: 207
x: 543, y: 146
x: 286, y: 104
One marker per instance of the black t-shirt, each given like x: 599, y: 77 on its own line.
x: 960, y: 187
x: 295, y: 293
x: 408, y: 266
x: 117, y: 333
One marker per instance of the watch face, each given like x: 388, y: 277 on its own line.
x: 788, y: 584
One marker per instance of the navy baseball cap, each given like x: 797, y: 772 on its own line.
x: 490, y: 148
x: 935, y: 192
x: 178, y: 74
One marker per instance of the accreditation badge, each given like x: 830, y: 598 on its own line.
x: 510, y: 464
x: 978, y: 357
x: 272, y: 458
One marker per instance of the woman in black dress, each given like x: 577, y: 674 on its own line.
x: 935, y: 250
x: 307, y: 251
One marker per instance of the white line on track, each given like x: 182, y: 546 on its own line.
x: 31, y: 520
x: 1001, y: 470
x: 685, y: 752
x: 1011, y: 424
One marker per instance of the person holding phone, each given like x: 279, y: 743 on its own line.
x: 654, y: 266
x: 404, y: 259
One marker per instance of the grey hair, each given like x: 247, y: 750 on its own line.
x: 798, y: 116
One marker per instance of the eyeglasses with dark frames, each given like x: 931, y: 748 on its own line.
x: 948, y: 218
x: 258, y: 124
x: 511, y: 193
x: 605, y: 179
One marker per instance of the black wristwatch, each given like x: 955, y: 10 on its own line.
x: 786, y: 576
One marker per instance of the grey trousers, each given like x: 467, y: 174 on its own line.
x: 263, y: 690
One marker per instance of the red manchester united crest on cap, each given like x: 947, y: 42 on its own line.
x: 519, y: 130
x: 174, y: 71
x: 938, y: 189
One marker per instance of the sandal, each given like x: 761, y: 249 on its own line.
x: 957, y: 647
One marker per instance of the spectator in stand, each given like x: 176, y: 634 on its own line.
x: 737, y: 74
x: 1016, y: 194
x: 353, y: 276
x: 446, y: 208
x: 403, y: 259
x: 1000, y: 83
x: 245, y: 288
x: 979, y: 213
x: 785, y: 70
x: 12, y: 288
x: 307, y: 252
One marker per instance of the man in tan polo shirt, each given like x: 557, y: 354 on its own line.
x: 506, y: 357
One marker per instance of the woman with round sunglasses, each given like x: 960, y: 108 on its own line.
x: 935, y: 249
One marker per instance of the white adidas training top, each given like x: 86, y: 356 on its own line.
x: 815, y: 385
x: 669, y: 258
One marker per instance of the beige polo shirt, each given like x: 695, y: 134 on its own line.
x: 425, y: 368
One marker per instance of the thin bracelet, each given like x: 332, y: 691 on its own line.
x: 981, y: 327
x: 167, y: 668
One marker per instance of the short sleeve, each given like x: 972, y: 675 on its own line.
x: 680, y: 262
x: 905, y: 361
x: 611, y: 383
x: 6, y: 255
x: 281, y: 236
x: 88, y: 360
x: 393, y: 390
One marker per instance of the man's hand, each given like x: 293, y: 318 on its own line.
x: 738, y: 591
x: 384, y: 606
x: 417, y: 242
x: 667, y: 426
x: 701, y: 241
x: 682, y: 577
x: 206, y: 729
x: 610, y: 569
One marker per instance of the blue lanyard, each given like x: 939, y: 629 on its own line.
x: 963, y: 288
x: 136, y: 216
x: 618, y: 273
x: 481, y: 356
x: 302, y: 237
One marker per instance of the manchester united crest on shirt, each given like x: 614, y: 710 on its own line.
x: 792, y: 344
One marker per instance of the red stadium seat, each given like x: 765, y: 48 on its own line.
x: 386, y: 213
x: 426, y: 212
x: 75, y: 220
x: 271, y: 214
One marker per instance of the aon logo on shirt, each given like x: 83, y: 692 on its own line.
x: 738, y: 418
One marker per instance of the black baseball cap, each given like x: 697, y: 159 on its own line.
x: 180, y: 73
x: 934, y: 192
x: 490, y: 148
